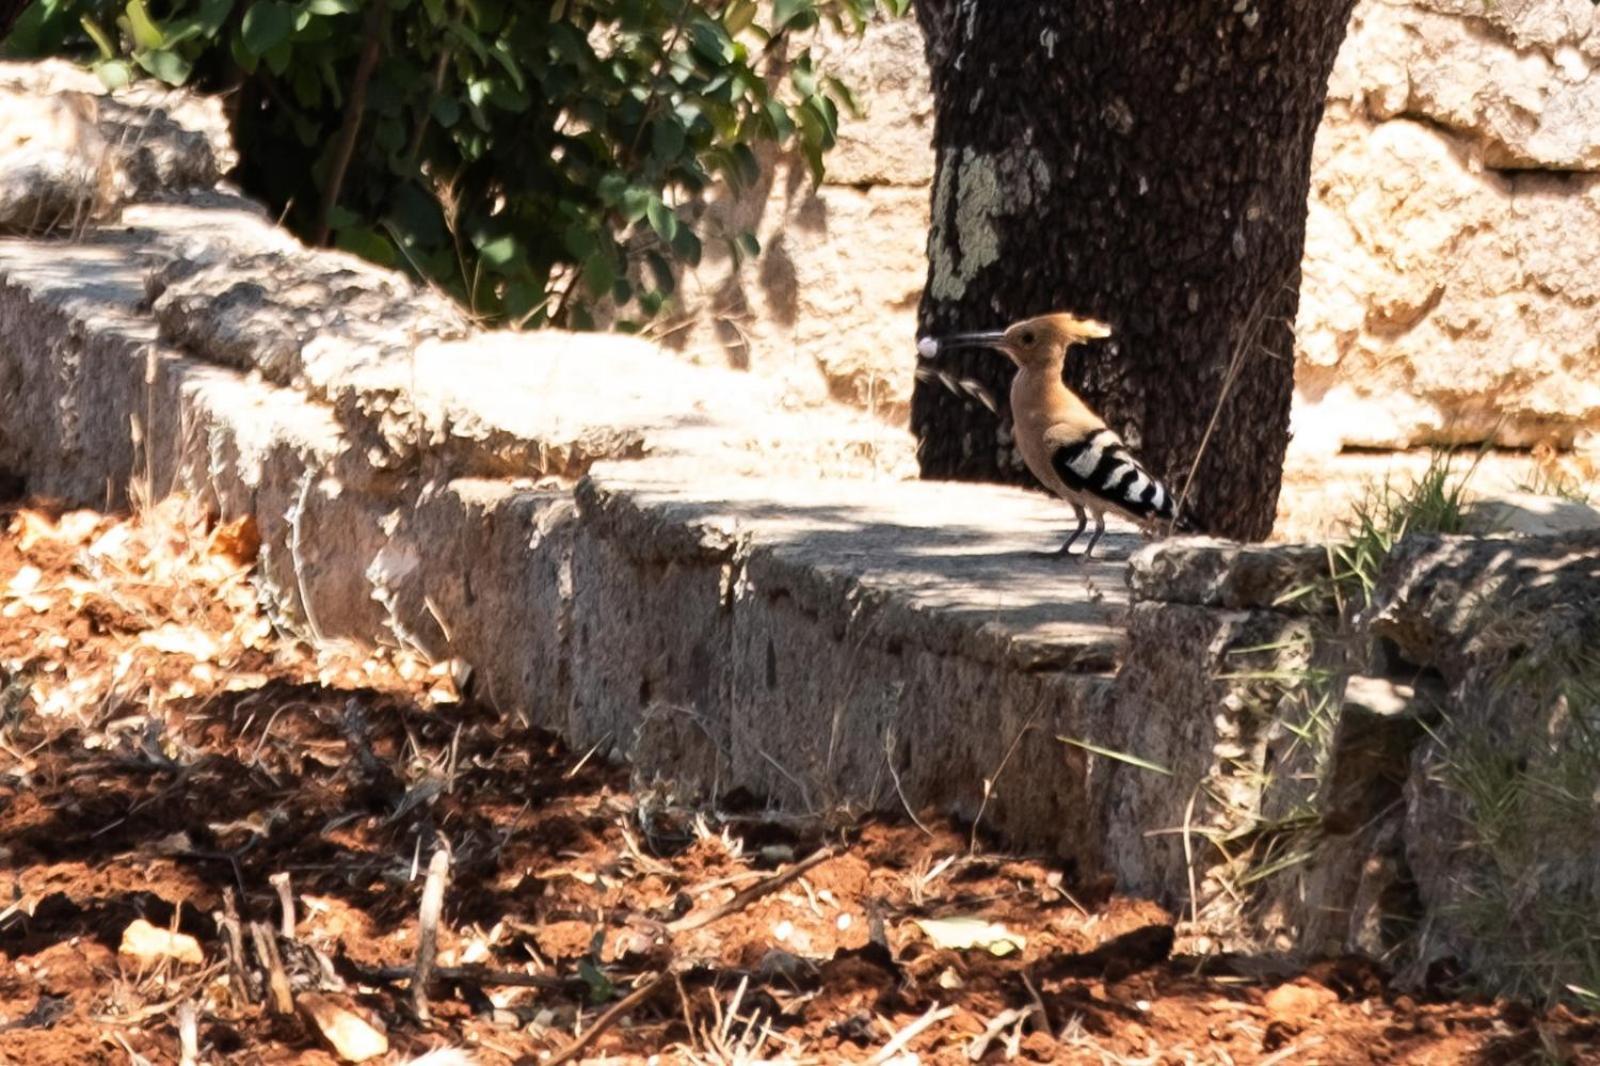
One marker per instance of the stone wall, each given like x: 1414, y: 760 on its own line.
x: 1447, y: 290
x: 668, y: 564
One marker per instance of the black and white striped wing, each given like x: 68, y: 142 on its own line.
x: 1101, y: 468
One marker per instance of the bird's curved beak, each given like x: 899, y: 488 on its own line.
x: 931, y: 347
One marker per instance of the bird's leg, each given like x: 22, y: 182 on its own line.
x: 1099, y: 531
x: 1083, y: 520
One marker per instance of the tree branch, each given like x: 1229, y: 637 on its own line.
x: 355, y: 108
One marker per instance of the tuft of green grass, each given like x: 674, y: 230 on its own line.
x: 1434, y: 502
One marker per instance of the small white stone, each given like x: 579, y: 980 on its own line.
x: 927, y: 347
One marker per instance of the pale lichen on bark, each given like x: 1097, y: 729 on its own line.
x: 985, y: 187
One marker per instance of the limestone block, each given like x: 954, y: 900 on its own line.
x: 480, y: 571
x: 1206, y: 573
x: 76, y: 153
x: 649, y: 636
x: 1500, y: 833
x: 1442, y: 301
x: 1529, y: 514
x: 1513, y: 78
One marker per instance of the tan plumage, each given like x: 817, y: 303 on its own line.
x: 1063, y: 442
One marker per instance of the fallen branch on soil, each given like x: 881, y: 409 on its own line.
x: 428, y: 936
x: 612, y: 1015
x: 746, y: 896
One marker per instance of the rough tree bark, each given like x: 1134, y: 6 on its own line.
x: 1145, y: 162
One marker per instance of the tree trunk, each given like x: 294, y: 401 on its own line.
x: 1145, y: 162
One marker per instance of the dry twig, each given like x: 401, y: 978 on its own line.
x: 612, y: 1015
x: 746, y: 896
x: 228, y: 919
x: 281, y: 995
x: 188, y: 1034
x: 898, y: 1042
x: 428, y: 935
x: 280, y: 883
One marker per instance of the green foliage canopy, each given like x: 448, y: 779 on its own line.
x: 531, y: 157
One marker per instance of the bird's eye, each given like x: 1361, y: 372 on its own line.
x: 1028, y: 337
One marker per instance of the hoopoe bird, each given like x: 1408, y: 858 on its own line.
x: 1066, y: 445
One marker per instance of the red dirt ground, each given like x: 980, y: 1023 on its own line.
x: 163, y: 749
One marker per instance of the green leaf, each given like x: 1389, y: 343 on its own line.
x: 739, y: 15
x: 267, y: 25
x: 636, y: 202
x: 687, y: 246
x: 711, y: 41
x: 579, y: 241
x: 369, y: 244
x: 170, y: 67
x: 211, y: 16
x: 113, y: 73
x: 804, y: 77
x: 599, y: 272
x: 446, y: 110
x: 341, y: 217
x: 666, y: 141
x: 793, y: 14
x: 332, y: 7
x: 839, y: 90
x: 746, y: 166
x: 146, y: 34
x: 101, y: 39
x: 499, y: 252
x: 663, y: 220
x: 666, y: 280
x: 749, y: 244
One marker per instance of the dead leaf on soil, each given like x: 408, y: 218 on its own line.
x: 352, y: 1037
x: 238, y: 541
x: 31, y: 527
x: 964, y: 933
x: 148, y: 943
x: 174, y: 639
